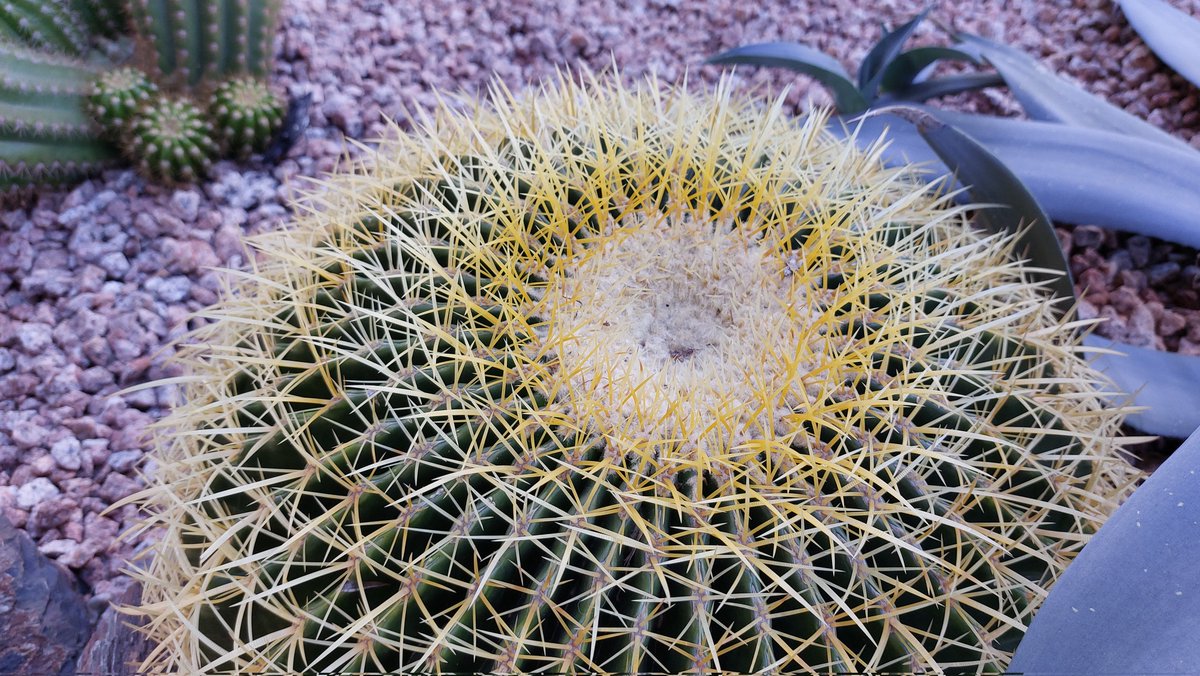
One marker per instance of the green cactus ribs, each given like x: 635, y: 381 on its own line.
x: 116, y: 97
x: 624, y: 381
x: 187, y: 43
x: 171, y: 141
x: 246, y: 114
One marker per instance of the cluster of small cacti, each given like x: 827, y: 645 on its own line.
x: 612, y: 381
x: 65, y: 111
x: 170, y: 138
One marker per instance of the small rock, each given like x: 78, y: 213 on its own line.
x: 34, y: 337
x: 1088, y: 237
x: 123, y: 461
x: 67, y: 453
x: 186, y: 205
x: 342, y: 111
x: 36, y: 492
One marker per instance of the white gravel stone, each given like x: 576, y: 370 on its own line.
x: 36, y: 491
x: 68, y: 453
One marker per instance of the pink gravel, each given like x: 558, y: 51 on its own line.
x: 95, y: 282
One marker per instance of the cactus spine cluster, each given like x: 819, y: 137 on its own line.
x: 624, y: 381
x: 187, y: 42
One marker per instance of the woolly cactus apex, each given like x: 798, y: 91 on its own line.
x: 117, y: 96
x: 622, y: 381
x: 170, y: 141
x: 49, y: 24
x: 187, y: 42
x: 246, y: 114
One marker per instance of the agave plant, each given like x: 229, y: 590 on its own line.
x: 624, y: 381
x: 889, y: 73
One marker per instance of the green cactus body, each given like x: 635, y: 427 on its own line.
x: 189, y: 43
x: 48, y: 24
x: 171, y: 141
x: 116, y: 97
x: 46, y: 137
x: 103, y: 17
x: 613, y: 381
x: 246, y: 114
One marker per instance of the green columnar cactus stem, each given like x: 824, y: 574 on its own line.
x: 103, y: 17
x: 46, y: 136
x: 600, y: 380
x: 188, y: 43
x: 116, y: 97
x: 171, y: 141
x: 246, y: 114
x: 49, y: 24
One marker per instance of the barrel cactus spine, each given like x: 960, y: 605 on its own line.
x: 246, y: 115
x: 171, y: 141
x: 624, y: 381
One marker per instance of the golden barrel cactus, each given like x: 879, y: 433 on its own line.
x: 624, y: 380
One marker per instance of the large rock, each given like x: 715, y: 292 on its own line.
x: 44, y: 620
x: 117, y: 648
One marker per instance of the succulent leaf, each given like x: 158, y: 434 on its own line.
x: 171, y: 141
x: 246, y: 115
x: 1173, y: 35
x: 1127, y: 604
x: 1078, y: 175
x: 903, y: 71
x: 1047, y: 97
x: 875, y: 64
x: 624, y: 381
x: 802, y: 59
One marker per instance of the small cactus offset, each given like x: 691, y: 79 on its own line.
x: 246, y: 114
x: 117, y: 96
x: 602, y: 380
x: 187, y: 43
x: 171, y: 141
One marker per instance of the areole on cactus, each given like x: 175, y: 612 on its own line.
x: 617, y: 380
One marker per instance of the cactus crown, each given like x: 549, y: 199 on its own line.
x: 246, y: 114
x: 171, y: 140
x: 116, y: 97
x: 624, y: 381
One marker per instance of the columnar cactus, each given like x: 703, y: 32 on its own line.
x: 46, y: 137
x: 116, y: 96
x: 48, y: 24
x: 106, y: 18
x: 622, y: 381
x: 246, y: 114
x: 171, y: 141
x: 187, y: 42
